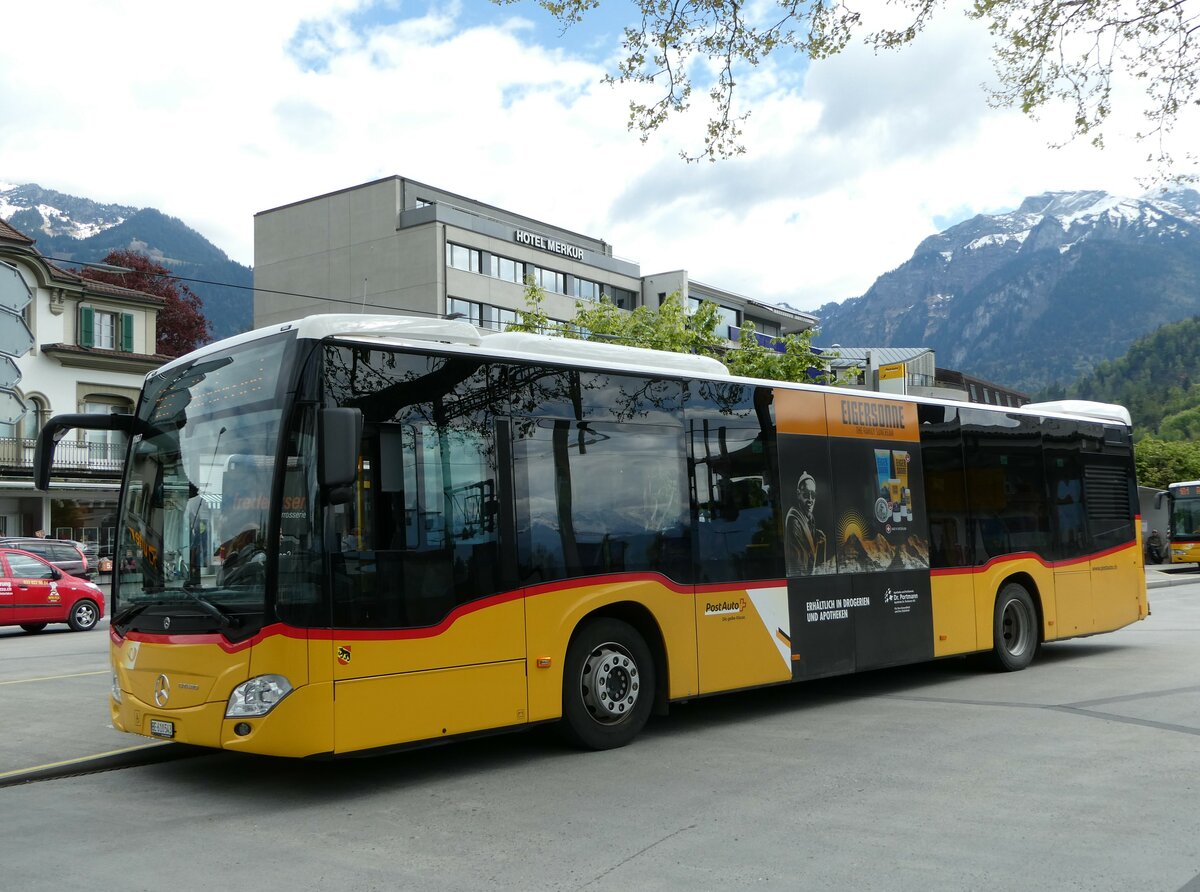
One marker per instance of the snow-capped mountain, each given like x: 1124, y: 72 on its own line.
x: 1037, y: 295
x: 42, y: 212
x: 66, y: 227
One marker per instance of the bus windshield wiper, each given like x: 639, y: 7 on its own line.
x: 224, y: 617
x: 126, y: 615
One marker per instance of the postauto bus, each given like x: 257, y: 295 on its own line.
x: 1184, y: 529
x: 356, y: 533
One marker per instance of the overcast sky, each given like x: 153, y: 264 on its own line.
x: 212, y: 112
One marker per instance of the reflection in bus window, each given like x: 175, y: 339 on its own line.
x: 738, y: 535
x: 601, y: 498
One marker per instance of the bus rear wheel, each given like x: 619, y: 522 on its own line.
x: 1014, y: 629
x: 608, y: 685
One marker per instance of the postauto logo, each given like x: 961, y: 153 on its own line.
x: 719, y: 608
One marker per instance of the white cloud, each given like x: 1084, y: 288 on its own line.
x: 214, y: 113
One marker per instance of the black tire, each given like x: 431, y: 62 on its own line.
x: 1014, y: 628
x: 33, y: 627
x: 608, y: 685
x: 83, y: 616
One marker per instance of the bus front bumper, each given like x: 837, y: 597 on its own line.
x: 299, y: 725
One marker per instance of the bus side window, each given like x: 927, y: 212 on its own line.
x: 738, y: 534
x: 595, y: 497
x: 950, y: 540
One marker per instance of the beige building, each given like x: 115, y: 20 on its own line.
x: 94, y: 343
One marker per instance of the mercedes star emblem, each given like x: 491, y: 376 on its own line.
x: 162, y: 690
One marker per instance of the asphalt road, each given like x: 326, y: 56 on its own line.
x: 1078, y: 773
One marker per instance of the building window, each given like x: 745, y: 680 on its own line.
x: 461, y: 257
x: 508, y: 270
x: 548, y: 279
x: 105, y: 329
x: 457, y: 308
x: 36, y: 416
x: 770, y: 329
x: 621, y: 297
x: 585, y: 289
x: 974, y: 395
x: 105, y: 448
x: 727, y: 319
x: 482, y: 315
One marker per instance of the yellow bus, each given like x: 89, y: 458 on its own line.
x: 1184, y: 521
x: 359, y: 533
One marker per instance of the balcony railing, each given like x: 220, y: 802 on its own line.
x: 70, y: 455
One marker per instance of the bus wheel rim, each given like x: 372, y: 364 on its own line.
x: 1017, y: 627
x: 610, y: 683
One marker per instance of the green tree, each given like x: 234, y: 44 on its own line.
x: 1157, y: 380
x: 1044, y: 51
x: 1161, y: 462
x: 1183, y: 425
x: 671, y: 327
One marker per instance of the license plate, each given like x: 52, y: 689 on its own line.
x: 162, y: 729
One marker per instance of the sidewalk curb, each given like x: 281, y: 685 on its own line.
x: 1163, y: 575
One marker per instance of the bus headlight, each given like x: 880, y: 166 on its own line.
x: 257, y: 696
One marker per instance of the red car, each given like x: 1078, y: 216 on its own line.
x: 34, y: 593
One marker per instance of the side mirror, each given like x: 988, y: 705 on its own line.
x: 340, y: 432
x: 60, y: 425
x: 1159, y: 498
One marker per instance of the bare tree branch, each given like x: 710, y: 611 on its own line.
x: 1045, y: 52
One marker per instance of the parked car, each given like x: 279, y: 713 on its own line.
x: 65, y: 554
x: 34, y: 593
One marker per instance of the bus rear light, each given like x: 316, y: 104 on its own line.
x: 116, y: 688
x: 258, y: 696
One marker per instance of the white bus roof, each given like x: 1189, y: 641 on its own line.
x: 1085, y: 408
x: 516, y: 344
x: 463, y: 337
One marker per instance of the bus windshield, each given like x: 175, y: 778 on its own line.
x: 197, y: 493
x: 1185, y: 517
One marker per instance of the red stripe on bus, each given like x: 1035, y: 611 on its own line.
x: 215, y: 638
x: 1029, y: 555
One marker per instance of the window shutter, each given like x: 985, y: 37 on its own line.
x: 87, y: 328
x: 127, y: 332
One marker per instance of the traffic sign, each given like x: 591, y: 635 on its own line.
x: 14, y: 293
x: 15, y: 336
x: 12, y: 409
x: 9, y: 373
x: 15, y: 339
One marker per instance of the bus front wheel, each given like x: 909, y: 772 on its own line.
x: 608, y: 685
x: 1014, y: 630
